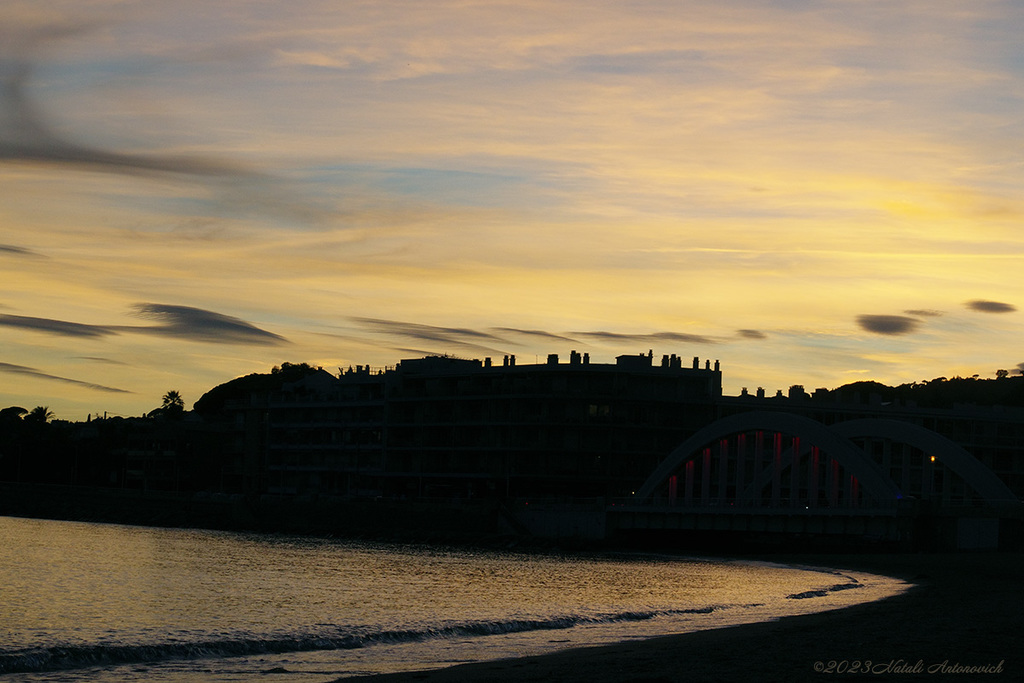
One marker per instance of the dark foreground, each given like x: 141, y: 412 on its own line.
x: 962, y: 621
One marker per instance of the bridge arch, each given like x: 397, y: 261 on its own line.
x: 959, y: 461
x: 839, y: 448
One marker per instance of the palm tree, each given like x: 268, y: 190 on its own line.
x: 173, y: 402
x: 40, y: 414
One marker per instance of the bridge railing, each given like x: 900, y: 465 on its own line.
x: 780, y: 504
x: 1003, y: 508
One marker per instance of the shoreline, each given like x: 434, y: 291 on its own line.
x: 959, y: 621
x: 963, y: 610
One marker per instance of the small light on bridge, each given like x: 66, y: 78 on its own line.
x: 933, y: 458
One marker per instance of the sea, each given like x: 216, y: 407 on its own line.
x: 105, y: 603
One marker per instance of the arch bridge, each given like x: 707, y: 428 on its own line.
x: 772, y: 471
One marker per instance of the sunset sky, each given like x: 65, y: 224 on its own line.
x: 811, y: 192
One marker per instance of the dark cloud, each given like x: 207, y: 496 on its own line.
x: 59, y: 327
x: 182, y: 322
x: 26, y: 136
x: 17, y: 251
x: 99, y: 359
x: 888, y: 324
x: 535, y: 333
x: 197, y: 324
x: 653, y: 337
x: 32, y: 372
x: 428, y: 332
x: 990, y: 306
x: 752, y: 334
x: 924, y: 313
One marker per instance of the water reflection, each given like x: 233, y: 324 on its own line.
x: 120, y: 594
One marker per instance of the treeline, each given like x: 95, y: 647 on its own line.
x: 943, y: 392
x: 169, y: 448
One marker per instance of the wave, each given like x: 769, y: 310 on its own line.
x: 825, y: 591
x: 67, y: 657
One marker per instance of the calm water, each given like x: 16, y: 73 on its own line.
x: 105, y: 603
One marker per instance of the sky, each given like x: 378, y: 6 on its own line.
x: 813, y: 193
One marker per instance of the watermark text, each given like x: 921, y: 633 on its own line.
x: 904, y: 666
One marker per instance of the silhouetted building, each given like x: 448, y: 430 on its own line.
x: 456, y: 428
x: 449, y: 427
x: 639, y: 446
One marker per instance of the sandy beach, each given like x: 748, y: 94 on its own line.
x: 960, y: 621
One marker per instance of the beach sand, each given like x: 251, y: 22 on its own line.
x: 963, y: 611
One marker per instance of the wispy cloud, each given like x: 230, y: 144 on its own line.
x: 32, y: 372
x: 751, y: 334
x: 28, y: 137
x: 58, y: 327
x: 18, y: 251
x: 182, y: 322
x: 99, y: 359
x: 619, y: 337
x: 537, y: 334
x: 460, y: 335
x: 197, y: 324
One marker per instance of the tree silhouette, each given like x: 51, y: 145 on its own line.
x: 173, y: 406
x: 40, y: 415
x: 173, y: 401
x: 12, y: 414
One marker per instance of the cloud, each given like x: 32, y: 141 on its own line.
x: 990, y: 306
x: 428, y: 332
x: 1020, y: 368
x: 197, y: 324
x: 888, y: 324
x: 99, y: 359
x: 32, y: 372
x: 535, y: 333
x: 617, y: 337
x: 58, y: 327
x: 17, y: 251
x: 183, y: 322
x: 924, y: 313
x: 26, y: 136
x: 752, y: 334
